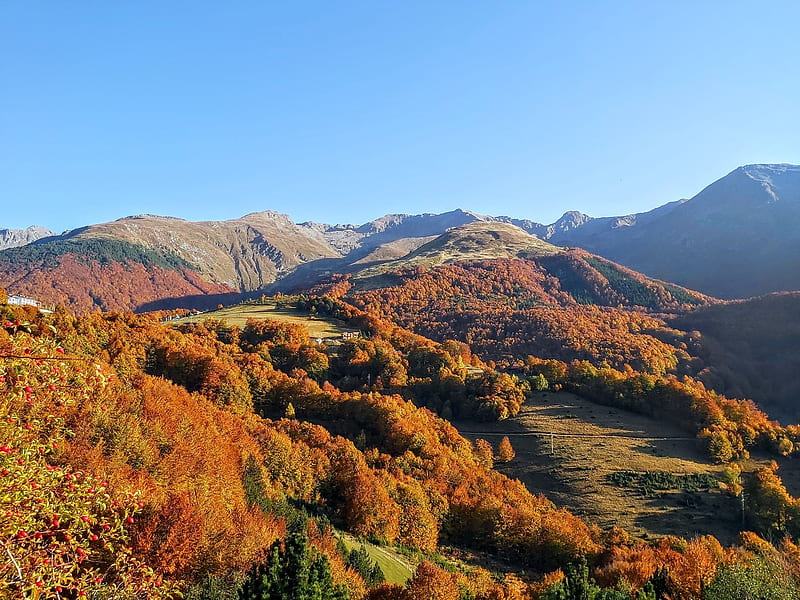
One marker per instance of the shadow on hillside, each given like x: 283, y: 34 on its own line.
x: 683, y: 448
x: 196, y: 302
x: 307, y: 275
x: 692, y: 514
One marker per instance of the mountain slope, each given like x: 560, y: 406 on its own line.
x: 751, y: 349
x: 184, y: 260
x: 479, y: 240
x: 739, y: 237
x: 244, y: 254
x: 360, y: 240
x: 509, y: 294
x: 551, y: 275
x: 89, y: 274
x: 136, y: 262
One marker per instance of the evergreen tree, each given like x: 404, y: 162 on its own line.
x: 293, y: 571
x: 359, y: 559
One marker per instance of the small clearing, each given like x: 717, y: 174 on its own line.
x: 582, y: 455
x: 318, y: 327
x: 396, y: 568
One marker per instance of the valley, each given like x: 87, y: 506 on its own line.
x: 350, y: 387
x: 400, y: 301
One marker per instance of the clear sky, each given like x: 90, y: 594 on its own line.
x: 340, y: 112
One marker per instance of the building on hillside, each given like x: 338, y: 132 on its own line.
x: 23, y: 301
x: 350, y: 335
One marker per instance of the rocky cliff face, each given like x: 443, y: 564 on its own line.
x: 13, y: 238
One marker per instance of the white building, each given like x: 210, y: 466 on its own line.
x: 23, y: 301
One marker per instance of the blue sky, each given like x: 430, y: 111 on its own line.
x: 344, y: 111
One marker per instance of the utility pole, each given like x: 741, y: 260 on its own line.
x: 742, y: 494
x: 552, y: 444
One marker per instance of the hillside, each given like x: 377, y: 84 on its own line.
x: 158, y: 262
x: 173, y: 423
x: 579, y: 454
x: 480, y: 240
x: 85, y: 275
x: 555, y: 304
x: 243, y: 254
x: 166, y: 262
x: 200, y: 447
x: 751, y: 349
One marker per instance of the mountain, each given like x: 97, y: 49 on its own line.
x: 362, y: 239
x: 152, y: 258
x: 137, y: 262
x: 12, y: 238
x: 569, y: 221
x: 243, y: 254
x: 146, y: 262
x: 564, y: 277
x: 478, y: 240
x: 509, y: 294
x: 739, y: 237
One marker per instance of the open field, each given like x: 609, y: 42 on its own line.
x: 571, y: 450
x: 396, y: 568
x: 237, y: 315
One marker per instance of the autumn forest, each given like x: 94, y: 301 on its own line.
x: 146, y: 456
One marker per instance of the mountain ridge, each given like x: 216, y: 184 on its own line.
x: 737, y: 237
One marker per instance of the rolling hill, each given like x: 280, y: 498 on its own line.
x: 508, y: 294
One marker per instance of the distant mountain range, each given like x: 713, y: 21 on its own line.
x: 739, y: 237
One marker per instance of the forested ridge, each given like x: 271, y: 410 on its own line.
x: 101, y: 275
x: 144, y: 460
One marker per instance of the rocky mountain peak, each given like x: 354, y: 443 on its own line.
x: 13, y: 238
x: 570, y: 220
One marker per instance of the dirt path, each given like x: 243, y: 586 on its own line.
x: 567, y: 447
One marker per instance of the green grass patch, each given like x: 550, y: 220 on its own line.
x: 318, y: 326
x: 396, y: 568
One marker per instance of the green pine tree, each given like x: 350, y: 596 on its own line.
x: 359, y: 559
x: 293, y: 571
